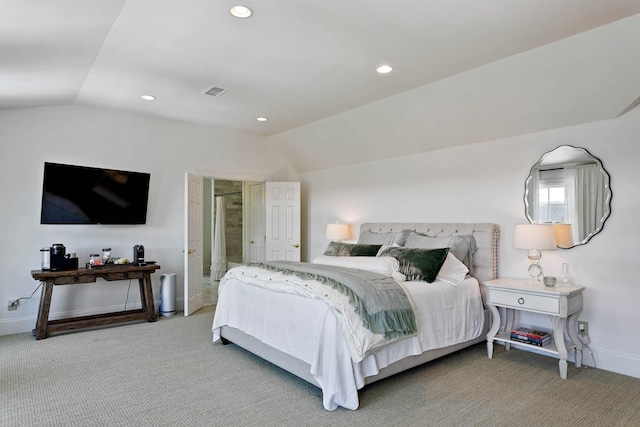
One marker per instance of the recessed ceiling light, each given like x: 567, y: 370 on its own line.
x: 262, y: 119
x: 241, y: 11
x: 148, y: 97
x: 384, y: 69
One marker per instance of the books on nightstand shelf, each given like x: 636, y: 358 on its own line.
x: 530, y: 336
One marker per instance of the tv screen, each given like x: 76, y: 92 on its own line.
x: 84, y: 195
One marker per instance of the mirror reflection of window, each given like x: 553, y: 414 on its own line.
x: 552, y: 202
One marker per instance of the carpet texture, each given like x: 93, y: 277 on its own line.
x: 169, y: 373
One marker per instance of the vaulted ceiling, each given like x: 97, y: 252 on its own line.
x: 463, y: 70
x: 294, y: 62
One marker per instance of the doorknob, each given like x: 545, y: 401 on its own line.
x: 296, y: 245
x: 190, y: 251
x: 251, y: 241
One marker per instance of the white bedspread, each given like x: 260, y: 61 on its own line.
x: 309, y: 329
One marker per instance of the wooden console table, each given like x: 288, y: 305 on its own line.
x: 86, y: 275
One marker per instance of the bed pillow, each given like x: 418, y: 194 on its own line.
x: 462, y: 247
x: 388, y: 238
x: 418, y: 263
x: 351, y: 249
x: 383, y: 247
x: 452, y: 271
x: 387, y: 266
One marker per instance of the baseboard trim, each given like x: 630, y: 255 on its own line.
x: 599, y: 358
x: 20, y: 325
x: 621, y: 363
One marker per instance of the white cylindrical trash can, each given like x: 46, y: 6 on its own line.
x: 168, y: 294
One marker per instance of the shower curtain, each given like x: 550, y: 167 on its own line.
x: 219, y: 254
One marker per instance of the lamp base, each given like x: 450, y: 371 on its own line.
x: 535, y: 271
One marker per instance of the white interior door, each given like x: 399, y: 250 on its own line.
x: 282, y: 221
x: 193, y: 249
x: 257, y: 222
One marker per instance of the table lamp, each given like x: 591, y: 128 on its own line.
x: 338, y: 232
x: 534, y: 237
x: 564, y: 235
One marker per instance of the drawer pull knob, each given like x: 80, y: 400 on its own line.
x: 520, y: 300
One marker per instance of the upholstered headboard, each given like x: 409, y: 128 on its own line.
x: 485, y: 260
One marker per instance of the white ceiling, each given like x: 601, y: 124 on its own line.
x: 294, y: 61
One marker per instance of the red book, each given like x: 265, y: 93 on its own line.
x: 531, y: 333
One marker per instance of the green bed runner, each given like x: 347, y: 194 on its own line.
x: 380, y: 302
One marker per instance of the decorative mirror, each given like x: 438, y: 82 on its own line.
x: 569, y: 188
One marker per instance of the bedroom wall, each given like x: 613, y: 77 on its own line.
x: 484, y: 182
x: 93, y: 137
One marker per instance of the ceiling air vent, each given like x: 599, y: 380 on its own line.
x: 215, y: 91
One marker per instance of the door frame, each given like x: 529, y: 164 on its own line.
x: 234, y: 176
x: 228, y: 176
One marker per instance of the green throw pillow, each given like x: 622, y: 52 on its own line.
x: 416, y: 263
x: 351, y: 249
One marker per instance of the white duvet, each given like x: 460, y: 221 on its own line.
x: 325, y: 333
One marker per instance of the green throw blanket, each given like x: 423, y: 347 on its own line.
x: 380, y: 302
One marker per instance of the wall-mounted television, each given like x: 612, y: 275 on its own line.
x: 85, y: 195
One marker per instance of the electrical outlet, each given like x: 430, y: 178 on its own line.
x: 13, y: 304
x: 583, y: 327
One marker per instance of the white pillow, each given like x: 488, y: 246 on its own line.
x: 383, y: 247
x: 453, y: 271
x: 385, y: 265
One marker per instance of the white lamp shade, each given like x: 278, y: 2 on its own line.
x: 564, y: 235
x: 534, y: 236
x: 338, y: 231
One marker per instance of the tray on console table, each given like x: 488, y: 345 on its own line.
x: 85, y: 275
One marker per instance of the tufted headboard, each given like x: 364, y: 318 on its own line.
x: 485, y: 260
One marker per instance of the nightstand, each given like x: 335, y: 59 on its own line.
x: 562, y: 304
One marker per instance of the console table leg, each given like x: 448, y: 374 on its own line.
x: 147, y: 295
x: 43, y: 312
x: 143, y: 295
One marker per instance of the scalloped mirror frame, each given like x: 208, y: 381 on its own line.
x: 557, y: 156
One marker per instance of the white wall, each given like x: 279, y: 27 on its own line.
x: 484, y: 182
x: 92, y: 137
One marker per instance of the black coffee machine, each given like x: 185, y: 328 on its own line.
x: 60, y: 260
x: 138, y: 255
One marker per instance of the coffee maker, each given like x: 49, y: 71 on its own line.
x: 138, y: 255
x: 60, y: 260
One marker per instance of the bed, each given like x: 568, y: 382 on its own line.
x: 308, y: 339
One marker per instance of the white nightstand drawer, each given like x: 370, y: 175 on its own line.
x: 523, y: 301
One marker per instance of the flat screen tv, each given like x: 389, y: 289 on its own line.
x: 85, y: 195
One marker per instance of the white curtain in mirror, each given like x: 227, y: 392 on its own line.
x: 219, y: 253
x: 573, y: 213
x: 589, y: 201
x: 534, y: 196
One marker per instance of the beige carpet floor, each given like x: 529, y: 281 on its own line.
x: 169, y: 373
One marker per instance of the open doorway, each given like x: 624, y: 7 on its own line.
x: 270, y: 227
x: 232, y: 197
x: 229, y: 209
